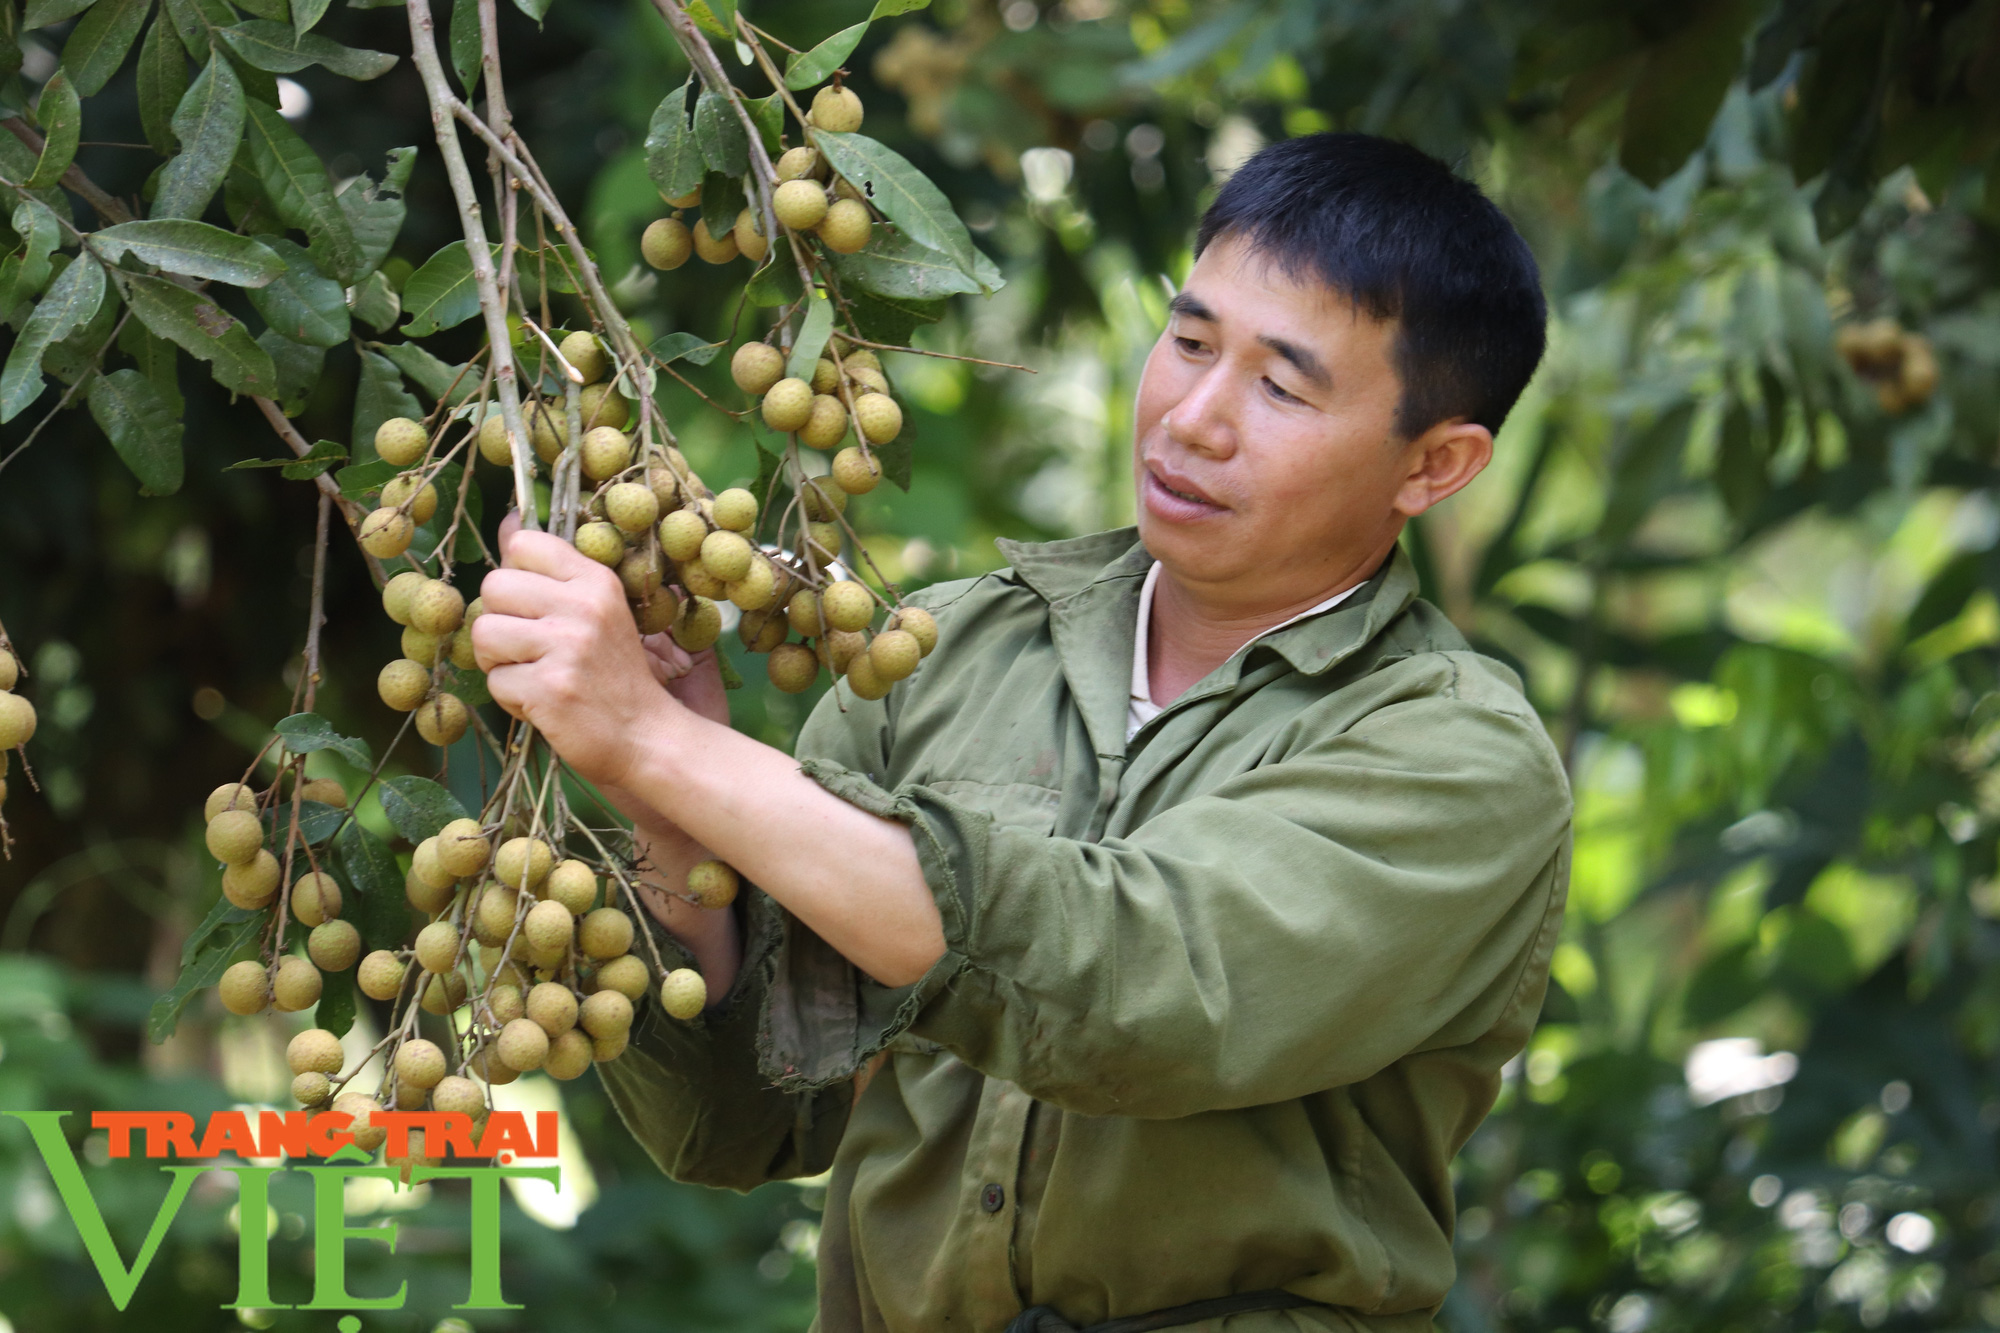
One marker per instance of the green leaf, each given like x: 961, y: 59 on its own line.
x: 769, y: 467
x: 813, y: 334
x: 299, y: 366
x: 10, y: 42
x: 904, y: 195
x: 71, y: 300
x: 370, y: 867
x: 705, y: 17
x: 275, y: 11
x: 142, y: 426
x: 768, y: 115
x: 375, y: 212
x: 888, y: 9
x: 886, y: 319
x: 75, y: 359
x: 673, y: 159
x: 301, y: 191
x: 101, y: 42
x: 301, y: 303
x: 1681, y: 87
x: 304, y: 733
x: 61, y: 117
x: 817, y: 65
x: 721, y: 200
x: 464, y: 43
x: 200, y: 23
x: 534, y: 9
x: 419, y: 807
x: 380, y: 396
x: 42, y: 13
x: 205, y: 331
x: 278, y: 48
x: 718, y: 132
x: 305, y: 467
x: 686, y: 347
x: 774, y: 284
x: 162, y: 82
x: 335, y: 1011
x: 441, y: 294
x: 209, y: 124
x: 431, y: 375
x: 363, y: 479
x: 193, y: 249
x: 40, y: 233
x: 156, y: 359
x: 895, y: 458
x: 896, y: 266
x: 306, y: 14
x: 204, y: 958
x: 374, y: 302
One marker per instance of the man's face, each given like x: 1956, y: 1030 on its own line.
x: 1264, y: 452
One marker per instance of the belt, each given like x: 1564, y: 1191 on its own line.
x: 1045, y: 1319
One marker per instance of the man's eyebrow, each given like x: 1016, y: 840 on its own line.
x: 1185, y: 303
x: 1302, y: 360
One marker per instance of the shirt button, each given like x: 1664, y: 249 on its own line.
x: 993, y: 1198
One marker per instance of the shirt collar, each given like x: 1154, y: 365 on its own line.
x: 1142, y: 682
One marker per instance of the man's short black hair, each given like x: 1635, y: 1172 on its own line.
x: 1396, y: 233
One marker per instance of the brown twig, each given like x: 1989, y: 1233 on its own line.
x: 349, y: 510
x: 105, y: 205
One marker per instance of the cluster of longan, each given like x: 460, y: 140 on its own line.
x: 17, y: 715
x: 252, y: 876
x: 809, y: 200
x: 1900, y: 364
x: 604, y: 449
x: 816, y: 410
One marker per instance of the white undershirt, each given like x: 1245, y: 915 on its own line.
x: 1142, y: 709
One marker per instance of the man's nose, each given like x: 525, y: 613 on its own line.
x: 1204, y: 420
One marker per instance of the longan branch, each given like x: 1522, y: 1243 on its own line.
x: 349, y: 510
x: 317, y: 615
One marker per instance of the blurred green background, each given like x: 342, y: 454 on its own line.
x: 1740, y: 538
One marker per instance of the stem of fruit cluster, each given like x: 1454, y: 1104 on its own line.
x: 317, y: 616
x: 492, y: 301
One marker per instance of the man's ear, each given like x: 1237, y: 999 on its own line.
x: 1441, y: 461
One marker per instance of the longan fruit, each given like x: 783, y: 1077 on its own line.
x: 253, y: 883
x: 865, y: 380
x: 736, y: 510
x: 803, y: 613
x: 609, y: 1048
x: 726, y: 554
x: 844, y: 188
x: 229, y: 796
x: 311, y: 1088
x: 10, y: 669
x: 461, y: 848
x: 689, y: 200
x: 856, y: 473
x: 574, y: 885
x: 839, y: 647
x: 639, y: 573
x: 421, y: 648
x: 894, y: 654
x: 762, y: 630
x: 919, y: 624
x: 699, y: 625
x: 493, y: 445
x: 602, y: 542
x: 245, y: 987
x: 442, y: 719
x: 505, y: 1000
x: 822, y: 500
x: 398, y: 591
x: 549, y: 927
x: 825, y: 377
x: 234, y: 836
x: 602, y: 405
x: 569, y: 1056
x: 836, y: 109
x: 681, y: 535
x: 856, y: 359
x: 457, y: 1095
x: 493, y: 919
x: 799, y: 204
x: 877, y: 417
x: 823, y: 540
x: 443, y: 994
x: 793, y: 667
x: 524, y: 863
x: 846, y: 227
x: 315, y: 898
x: 666, y: 243
x: 428, y: 869
x: 847, y: 605
x: 360, y: 1110
x: 625, y: 974
x: 684, y: 994
x: 713, y: 250
x: 436, y: 608
x: 788, y: 405
x: 750, y: 241
x: 437, y: 946
x: 631, y: 506
x: 325, y: 791
x: 400, y: 441
x: 756, y: 367
x: 713, y: 883
x: 426, y: 897
x: 314, y: 1051
x: 381, y: 975
x: 583, y: 351
x: 604, y: 933
x: 606, y: 450
x: 386, y: 534
x: 864, y: 679
x: 523, y: 1045
x: 548, y: 430
x: 654, y: 614
x: 412, y: 494
x: 826, y: 422
x: 296, y: 986
x: 334, y: 945
x: 419, y: 1063
x: 551, y: 1005
x: 800, y: 164
x: 607, y: 1013
x: 697, y: 580
x: 757, y: 589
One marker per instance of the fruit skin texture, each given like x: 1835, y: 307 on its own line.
x: 462, y: 849
x: 10, y: 669
x: 334, y: 945
x: 854, y: 473
x: 749, y: 241
x: 455, y: 1094
x: 877, y: 417
x: 419, y: 1062
x: 436, y: 608
x: 684, y: 993
x: 825, y: 424
x: 666, y: 244
x: 524, y: 863
x: 311, y: 1089
x: 235, y: 836
x: 625, y: 974
x: 313, y: 1051
x: 756, y: 367
x: 493, y: 441
x: 381, y: 975
x: 606, y: 451
x: 788, y: 405
x: 229, y: 796
x: 569, y: 1056
x: 401, y: 441
x: 736, y: 509
x: 726, y: 555
x: 245, y: 988
x: 360, y: 1108
x: 437, y: 946
x: 801, y: 164
x: 699, y: 625
x: 442, y: 719
x: 846, y: 227
x: 574, y: 885
x: 315, y: 898
x: 420, y: 496
x: 713, y: 249
x: 864, y: 679
x: 602, y: 542
x: 603, y: 405
x: 551, y: 1005
x: 894, y: 654
x: 604, y: 933
x: 386, y: 534
x: 793, y: 667
x: 631, y: 506
x: 606, y: 1014
x: 444, y: 993
x: 324, y: 790
x: 836, y: 109
x: 847, y: 605
x: 297, y: 985
x: 799, y: 204
x: 254, y: 883
x: 714, y: 883
x: 582, y: 350
x: 548, y: 431
x: 681, y: 535
x: 523, y: 1045
x: 919, y: 624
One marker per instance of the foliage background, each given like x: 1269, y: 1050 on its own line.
x: 1755, y: 604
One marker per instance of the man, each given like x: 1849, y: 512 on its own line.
x: 1152, y: 951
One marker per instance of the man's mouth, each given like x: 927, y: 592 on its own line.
x: 1180, y: 488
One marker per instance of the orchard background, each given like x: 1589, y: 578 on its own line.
x: 1741, y: 538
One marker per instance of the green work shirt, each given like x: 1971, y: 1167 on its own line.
x: 1218, y: 1004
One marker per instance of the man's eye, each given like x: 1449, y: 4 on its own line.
x: 1188, y: 344
x: 1279, y: 393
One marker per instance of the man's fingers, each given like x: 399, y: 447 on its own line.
x: 547, y: 554
x: 671, y: 655
x: 508, y: 527
x: 516, y: 592
x: 498, y: 640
